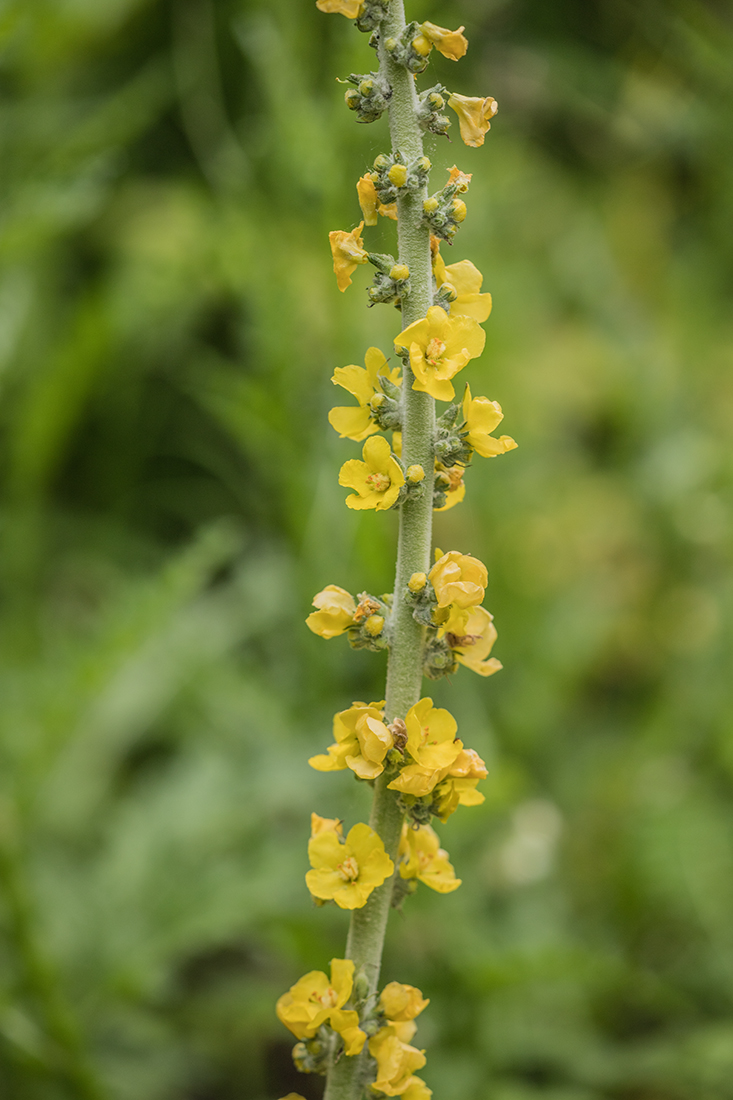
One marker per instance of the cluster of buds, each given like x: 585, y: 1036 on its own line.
x: 443, y: 212
x: 369, y: 97
x: 392, y: 281
x: 448, y: 487
x: 393, y: 176
x: 430, y: 104
x: 451, y: 442
x: 365, y: 623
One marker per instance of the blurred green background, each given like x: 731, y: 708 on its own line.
x: 169, y: 323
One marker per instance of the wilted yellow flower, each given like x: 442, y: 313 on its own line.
x: 370, y: 204
x: 458, y: 788
x: 335, y: 614
x: 350, y: 8
x: 421, y: 857
x: 458, y: 579
x: 347, y: 872
x: 402, y: 1002
x: 362, y: 741
x: 456, y: 488
x: 481, y: 417
x: 473, y: 647
x: 466, y: 280
x: 474, y: 116
x: 355, y: 422
x: 396, y: 1062
x: 452, y: 44
x: 348, y: 252
x: 461, y: 179
x: 439, y: 347
x: 377, y: 480
x: 433, y: 746
x: 316, y: 1000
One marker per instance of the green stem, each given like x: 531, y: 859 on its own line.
x: 404, y: 671
x: 40, y: 979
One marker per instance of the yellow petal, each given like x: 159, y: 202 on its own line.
x: 474, y: 115
x: 356, y: 380
x: 464, y: 276
x: 452, y: 44
x: 352, y: 422
x: 368, y: 200
x: 349, y: 8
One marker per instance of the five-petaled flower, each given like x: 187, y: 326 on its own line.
x: 357, y: 422
x: 422, y: 858
x: 362, y: 741
x: 474, y: 644
x: 348, y: 252
x: 440, y: 346
x: 458, y: 788
x: 347, y: 871
x: 466, y: 279
x: 433, y: 746
x: 396, y: 1063
x: 335, y: 612
x: 377, y: 480
x: 317, y: 999
x: 474, y: 116
x: 458, y: 579
x: 481, y: 416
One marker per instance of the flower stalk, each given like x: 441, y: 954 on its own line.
x: 432, y: 623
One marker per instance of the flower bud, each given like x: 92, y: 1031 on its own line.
x: 423, y: 164
x: 374, y: 625
x: 422, y: 45
x: 352, y: 99
x: 366, y: 87
x: 459, y: 209
x: 448, y: 292
x: 381, y: 162
x: 417, y: 582
x: 414, y: 474
x: 400, y: 271
x: 377, y: 401
x: 398, y: 175
x: 390, y: 44
x: 430, y: 205
x: 436, y: 101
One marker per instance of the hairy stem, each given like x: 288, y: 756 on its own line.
x: 404, y: 671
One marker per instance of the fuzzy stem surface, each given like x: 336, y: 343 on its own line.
x: 404, y: 671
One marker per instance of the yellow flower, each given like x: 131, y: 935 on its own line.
x: 439, y: 347
x: 335, y: 614
x: 316, y: 1000
x: 481, y: 417
x: 326, y: 825
x: 474, y: 116
x: 377, y: 480
x: 432, y: 744
x: 347, y: 872
x: 361, y: 742
x: 473, y: 646
x: 402, y: 1002
x: 458, y: 579
x: 370, y: 204
x: 459, y: 786
x: 452, y: 44
x: 396, y: 1062
x: 348, y: 252
x: 350, y: 8
x: 421, y: 857
x: 456, y: 488
x: 364, y: 383
x: 466, y: 280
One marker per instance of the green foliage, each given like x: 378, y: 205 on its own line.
x: 168, y: 327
